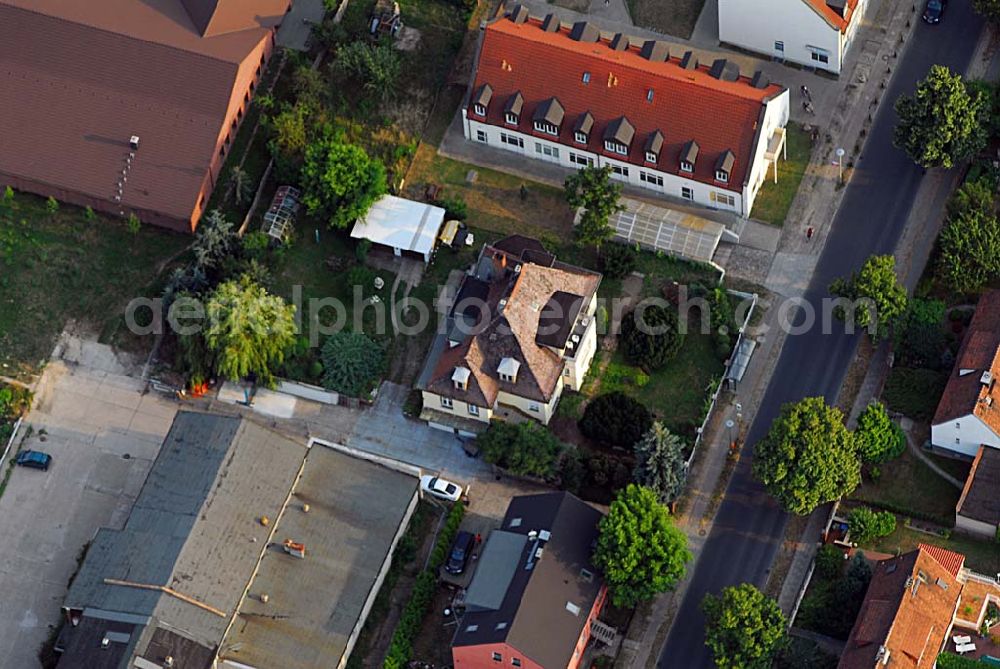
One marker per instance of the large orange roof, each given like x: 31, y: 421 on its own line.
x: 683, y: 104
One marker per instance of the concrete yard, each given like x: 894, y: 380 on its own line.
x: 103, y: 436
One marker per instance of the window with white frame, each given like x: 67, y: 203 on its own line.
x: 512, y: 140
x: 547, y: 128
x: 580, y: 137
x: 447, y: 402
x: 510, y: 118
x: 615, y: 147
x: 723, y: 199
x: 580, y: 159
x: 722, y: 175
x: 651, y: 157
x: 473, y: 409
x: 687, y: 192
x: 481, y: 135
x: 479, y: 110
x: 620, y: 170
x: 819, y: 55
x: 650, y: 178
x: 687, y: 167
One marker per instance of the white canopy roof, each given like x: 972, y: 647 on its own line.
x: 403, y: 224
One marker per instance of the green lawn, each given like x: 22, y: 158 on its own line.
x: 774, y: 199
x: 907, y: 484
x: 54, y: 268
x: 981, y: 556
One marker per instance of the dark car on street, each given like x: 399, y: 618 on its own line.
x: 934, y: 11
x: 34, y: 459
x: 461, y: 550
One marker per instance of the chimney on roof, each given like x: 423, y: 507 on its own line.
x: 619, y: 42
x: 760, y: 80
x: 519, y: 14
x: 551, y: 23
x: 655, y: 51
x: 723, y: 70
x: 584, y: 32
x: 689, y: 61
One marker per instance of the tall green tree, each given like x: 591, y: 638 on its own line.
x: 879, y: 297
x: 942, y: 123
x: 340, y: 181
x: 744, y: 628
x: 808, y: 456
x: 593, y: 189
x: 878, y: 438
x: 659, y: 463
x: 988, y: 9
x: 639, y: 550
x: 248, y: 330
x: 969, y: 251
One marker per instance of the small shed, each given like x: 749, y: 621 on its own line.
x: 402, y: 225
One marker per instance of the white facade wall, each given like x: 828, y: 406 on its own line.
x: 554, y: 152
x: 964, y: 435
x: 761, y: 24
x: 775, y: 116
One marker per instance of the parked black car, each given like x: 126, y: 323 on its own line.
x: 461, y: 551
x: 934, y: 11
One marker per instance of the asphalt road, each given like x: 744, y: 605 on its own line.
x: 749, y: 526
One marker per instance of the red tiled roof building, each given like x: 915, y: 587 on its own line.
x: 573, y: 96
x: 81, y: 79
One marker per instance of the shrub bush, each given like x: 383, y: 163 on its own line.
x: 651, y: 337
x: 866, y: 525
x: 618, y: 260
x: 412, y: 617
x: 616, y: 419
x: 353, y: 363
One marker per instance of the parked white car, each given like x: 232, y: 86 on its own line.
x: 440, y: 488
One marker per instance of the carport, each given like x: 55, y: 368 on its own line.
x: 402, y: 225
x: 675, y: 232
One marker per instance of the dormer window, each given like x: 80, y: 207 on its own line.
x: 615, y: 147
x: 689, y: 154
x: 618, y: 135
x: 548, y: 117
x: 512, y: 109
x: 460, y: 377
x: 481, y: 99
x: 724, y: 166
x: 580, y: 137
x: 507, y: 370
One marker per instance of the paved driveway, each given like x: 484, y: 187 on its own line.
x: 103, y: 436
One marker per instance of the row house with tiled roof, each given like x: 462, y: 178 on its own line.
x: 814, y: 33
x: 521, y: 328
x: 574, y: 96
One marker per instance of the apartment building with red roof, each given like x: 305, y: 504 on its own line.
x: 128, y: 106
x: 915, y: 607
x: 814, y: 33
x: 574, y: 96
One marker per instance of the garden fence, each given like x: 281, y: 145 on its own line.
x: 718, y: 389
x: 10, y: 442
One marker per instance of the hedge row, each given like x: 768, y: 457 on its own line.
x: 413, y: 614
